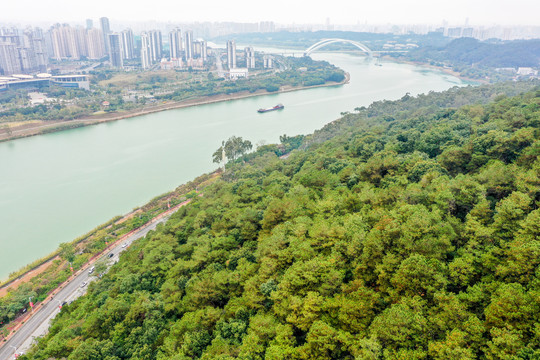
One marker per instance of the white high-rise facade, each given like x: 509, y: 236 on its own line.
x: 96, y: 47
x: 22, y: 51
x: 200, y: 50
x: 250, y: 57
x: 231, y: 54
x: 106, y: 30
x: 128, y: 45
x: 115, y: 50
x: 267, y: 62
x: 189, y: 45
x: 156, y: 46
x: 175, y: 44
x: 146, y: 58
x: 9, y: 59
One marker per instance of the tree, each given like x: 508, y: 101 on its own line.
x: 234, y: 148
x: 67, y: 252
x: 101, y: 266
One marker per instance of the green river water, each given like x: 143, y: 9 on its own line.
x: 56, y: 187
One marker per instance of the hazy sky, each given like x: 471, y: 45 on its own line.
x: 479, y: 12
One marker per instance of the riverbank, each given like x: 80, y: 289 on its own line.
x: 112, y: 168
x: 52, y: 269
x: 439, y: 68
x: 27, y: 130
x: 16, y: 325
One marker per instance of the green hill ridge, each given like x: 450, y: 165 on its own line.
x: 406, y: 230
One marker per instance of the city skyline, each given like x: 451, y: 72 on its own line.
x: 342, y: 12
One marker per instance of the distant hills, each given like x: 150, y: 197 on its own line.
x: 469, y: 51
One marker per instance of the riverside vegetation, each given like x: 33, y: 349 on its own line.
x: 130, y: 91
x: 78, y: 252
x: 406, y: 230
x: 490, y: 60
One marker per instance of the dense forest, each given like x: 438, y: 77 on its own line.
x: 406, y: 230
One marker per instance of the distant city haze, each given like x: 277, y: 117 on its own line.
x: 339, y: 12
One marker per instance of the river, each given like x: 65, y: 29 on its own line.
x: 56, y: 187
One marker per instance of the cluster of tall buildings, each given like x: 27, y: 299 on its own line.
x: 249, y: 57
x: 22, y: 51
x: 75, y: 43
x: 183, y: 50
x: 28, y: 51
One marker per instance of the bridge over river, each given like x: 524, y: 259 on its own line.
x: 359, y: 45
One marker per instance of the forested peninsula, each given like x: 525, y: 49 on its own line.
x: 406, y: 230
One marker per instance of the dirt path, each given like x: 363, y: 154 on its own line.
x: 26, y: 277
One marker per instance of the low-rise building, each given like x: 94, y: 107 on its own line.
x: 237, y: 73
x: 72, y: 81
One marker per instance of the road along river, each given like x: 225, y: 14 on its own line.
x: 56, y: 187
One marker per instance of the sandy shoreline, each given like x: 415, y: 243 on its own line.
x: 27, y: 130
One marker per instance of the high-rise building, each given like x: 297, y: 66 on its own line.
x: 115, y: 50
x: 267, y: 26
x: 231, y: 54
x: 9, y: 58
x: 96, y: 46
x: 89, y: 24
x: 189, y: 45
x: 82, y: 41
x: 175, y: 44
x: 72, y: 41
x: 267, y: 62
x: 106, y: 30
x: 250, y: 57
x: 128, y: 45
x: 204, y: 50
x: 467, y: 32
x: 454, y: 32
x: 22, y: 51
x: 156, y: 45
x: 200, y: 50
x: 146, y: 58
x: 59, y: 42
x: 40, y: 49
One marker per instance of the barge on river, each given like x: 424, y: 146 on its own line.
x: 277, y: 107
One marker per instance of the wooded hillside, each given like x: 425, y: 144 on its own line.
x: 407, y: 230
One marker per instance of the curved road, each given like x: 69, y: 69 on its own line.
x: 38, y: 324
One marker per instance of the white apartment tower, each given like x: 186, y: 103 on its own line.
x: 250, y: 57
x: 96, y: 47
x: 231, y: 54
x: 267, y: 62
x: 156, y: 46
x: 115, y: 50
x: 106, y: 30
x: 189, y: 45
x: 175, y: 44
x: 9, y: 59
x: 146, y: 58
x: 128, y: 45
x: 200, y: 50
